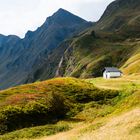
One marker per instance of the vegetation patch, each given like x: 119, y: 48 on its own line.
x: 135, y: 130
x: 48, y: 102
x: 33, y: 114
x: 35, y: 132
x: 92, y: 127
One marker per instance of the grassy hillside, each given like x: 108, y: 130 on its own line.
x: 132, y: 66
x: 47, y: 102
x: 73, y: 108
x: 123, y: 83
x: 79, y: 103
x: 121, y: 16
x: 22, y: 95
x: 89, y: 53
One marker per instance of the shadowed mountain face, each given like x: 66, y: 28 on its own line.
x: 21, y: 58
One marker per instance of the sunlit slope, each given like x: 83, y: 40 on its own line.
x: 117, y: 122
x: 132, y: 65
x: 122, y: 17
x: 113, y: 41
x: 90, y: 53
x: 113, y: 122
x: 125, y: 126
x: 30, y: 92
x: 81, y: 107
x: 47, y: 102
x: 123, y: 83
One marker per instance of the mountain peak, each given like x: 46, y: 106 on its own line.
x: 61, y: 13
x: 61, y: 10
x: 62, y: 16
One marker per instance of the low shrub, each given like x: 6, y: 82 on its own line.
x: 34, y: 113
x: 57, y: 99
x: 95, y: 95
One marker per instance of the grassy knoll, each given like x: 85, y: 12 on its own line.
x: 118, y: 119
x: 85, y: 105
x: 35, y: 132
x: 48, y: 102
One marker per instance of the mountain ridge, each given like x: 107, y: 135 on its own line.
x: 27, y: 54
x: 21, y: 58
x: 38, y: 57
x: 121, y: 16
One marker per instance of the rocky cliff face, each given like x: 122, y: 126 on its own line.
x: 22, y: 59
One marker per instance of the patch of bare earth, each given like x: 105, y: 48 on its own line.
x: 117, y: 128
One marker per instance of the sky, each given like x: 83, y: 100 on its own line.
x: 19, y: 16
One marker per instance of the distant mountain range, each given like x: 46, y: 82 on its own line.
x: 66, y: 45
x: 20, y: 59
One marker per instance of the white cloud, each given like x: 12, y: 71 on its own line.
x: 18, y: 16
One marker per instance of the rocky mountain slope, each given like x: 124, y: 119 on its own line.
x: 20, y: 59
x: 113, y: 41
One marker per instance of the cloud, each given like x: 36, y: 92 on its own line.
x: 18, y: 16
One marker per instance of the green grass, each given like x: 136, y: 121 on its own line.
x: 135, y: 130
x: 132, y: 64
x: 47, y: 102
x: 65, y: 98
x: 123, y: 83
x: 128, y: 98
x: 36, y: 132
x: 92, y: 127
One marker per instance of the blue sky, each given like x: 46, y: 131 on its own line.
x: 18, y: 16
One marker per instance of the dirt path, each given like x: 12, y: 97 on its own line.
x: 117, y: 128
